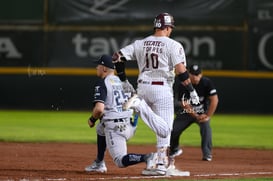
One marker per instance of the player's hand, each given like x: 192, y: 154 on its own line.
x: 118, y: 58
x: 90, y: 123
x: 194, y: 97
x: 128, y: 88
x: 203, y: 118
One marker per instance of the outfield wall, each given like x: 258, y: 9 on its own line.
x: 47, y: 47
x: 219, y: 35
x: 66, y: 92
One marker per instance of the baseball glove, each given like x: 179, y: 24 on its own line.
x: 128, y: 88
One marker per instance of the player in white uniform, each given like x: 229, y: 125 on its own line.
x: 115, y: 123
x: 159, y: 58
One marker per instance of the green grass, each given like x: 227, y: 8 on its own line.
x: 239, y: 179
x: 244, y: 131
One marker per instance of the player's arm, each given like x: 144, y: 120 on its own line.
x: 119, y: 61
x: 213, y: 99
x: 96, y: 114
x: 189, y: 109
x: 120, y: 69
x: 213, y: 105
x: 100, y: 93
x: 118, y: 57
x: 183, y: 76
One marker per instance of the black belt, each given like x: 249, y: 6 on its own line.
x: 152, y: 82
x: 119, y: 120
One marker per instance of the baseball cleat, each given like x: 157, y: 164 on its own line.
x: 161, y: 169
x: 132, y: 102
x: 153, y: 169
x: 97, y: 167
x: 150, y: 162
x: 158, y: 171
x: 176, y: 153
x: 207, y: 158
x: 152, y: 172
x: 172, y: 171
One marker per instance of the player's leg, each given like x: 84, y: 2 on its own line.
x: 101, y: 142
x: 165, y: 109
x: 133, y: 158
x: 141, y: 104
x: 99, y: 165
x: 161, y: 102
x: 181, y: 123
x: 116, y: 141
x: 153, y: 121
x: 101, y: 147
x: 206, y: 140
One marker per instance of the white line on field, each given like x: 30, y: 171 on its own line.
x: 149, y: 177
x: 233, y: 174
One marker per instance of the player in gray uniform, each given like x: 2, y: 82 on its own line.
x: 199, y: 114
x: 115, y: 123
x: 159, y: 58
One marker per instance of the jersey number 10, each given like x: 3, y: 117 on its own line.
x: 151, y: 61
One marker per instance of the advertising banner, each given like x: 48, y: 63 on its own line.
x: 261, y: 35
x: 260, y: 11
x: 21, y: 11
x: 261, y: 46
x: 21, y: 48
x: 143, y: 11
x: 212, y: 50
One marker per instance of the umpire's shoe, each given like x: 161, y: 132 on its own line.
x: 97, y: 166
x: 207, y: 158
x: 176, y: 153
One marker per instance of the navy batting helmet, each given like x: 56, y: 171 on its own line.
x: 163, y: 20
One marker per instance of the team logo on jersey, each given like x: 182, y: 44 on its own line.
x: 97, y: 92
x: 97, y: 88
x: 193, y: 109
x: 185, y: 101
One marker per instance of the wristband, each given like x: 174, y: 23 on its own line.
x: 122, y: 76
x: 183, y: 76
x: 92, y: 119
x: 120, y: 68
x: 122, y: 57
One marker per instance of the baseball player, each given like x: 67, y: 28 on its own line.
x: 98, y: 164
x: 115, y: 123
x: 158, y: 57
x: 200, y: 114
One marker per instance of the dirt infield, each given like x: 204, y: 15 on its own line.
x: 66, y: 161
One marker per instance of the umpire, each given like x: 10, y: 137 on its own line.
x: 189, y: 113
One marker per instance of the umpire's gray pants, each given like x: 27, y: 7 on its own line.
x: 181, y: 123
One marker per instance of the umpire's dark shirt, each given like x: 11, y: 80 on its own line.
x: 204, y: 89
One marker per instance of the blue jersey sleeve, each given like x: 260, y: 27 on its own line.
x: 100, y: 92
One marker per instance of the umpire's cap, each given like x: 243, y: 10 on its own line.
x: 106, y: 61
x: 195, y: 69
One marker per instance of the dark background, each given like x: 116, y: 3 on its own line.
x: 226, y: 35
